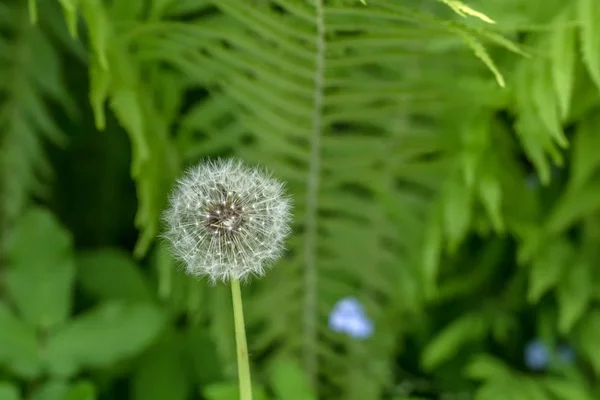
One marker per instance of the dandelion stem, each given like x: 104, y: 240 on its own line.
x: 240, y: 340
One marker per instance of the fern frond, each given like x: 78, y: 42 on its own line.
x: 33, y: 82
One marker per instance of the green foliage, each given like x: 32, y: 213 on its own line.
x: 442, y: 159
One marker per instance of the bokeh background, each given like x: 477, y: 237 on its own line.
x: 444, y: 171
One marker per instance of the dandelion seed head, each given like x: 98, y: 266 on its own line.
x: 227, y: 220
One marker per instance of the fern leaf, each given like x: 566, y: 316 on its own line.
x: 33, y: 81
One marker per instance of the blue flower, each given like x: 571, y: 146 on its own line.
x: 537, y: 355
x: 348, y: 316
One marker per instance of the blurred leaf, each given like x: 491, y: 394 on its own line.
x: 448, y: 342
x: 230, y: 391
x: 81, y: 391
x: 588, y: 333
x: 8, y: 391
x: 103, y: 336
x: 572, y: 206
x: 18, y: 345
x: 289, y: 381
x: 588, y: 16
x: 161, y: 373
x: 546, y: 269
x: 574, y: 293
x: 562, y: 52
x: 40, y: 281
x: 457, y: 205
x: 586, y: 159
x: 53, y: 390
x: 99, y: 29
x: 203, y: 355
x: 111, y: 274
x: 484, y: 367
x: 565, y: 389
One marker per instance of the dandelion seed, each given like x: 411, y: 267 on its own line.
x: 239, y: 225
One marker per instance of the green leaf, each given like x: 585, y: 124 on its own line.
x: 99, y: 29
x: 588, y: 16
x: 102, y: 337
x: 447, y: 343
x: 203, y: 355
x: 485, y: 368
x: 457, y: 205
x: 61, y: 390
x: 546, y: 269
x: 18, y: 345
x: 567, y: 389
x: 161, y: 373
x: 588, y: 333
x: 111, y: 274
x: 562, y: 57
x: 8, y: 391
x: 586, y: 158
x: 81, y: 391
x: 574, y: 293
x: 53, y: 390
x: 40, y: 281
x: 288, y: 381
x: 572, y: 206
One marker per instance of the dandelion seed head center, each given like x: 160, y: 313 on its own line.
x: 224, y: 217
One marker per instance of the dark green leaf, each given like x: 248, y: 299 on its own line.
x: 103, y: 336
x: 40, y: 280
x: 111, y: 274
x: 161, y: 372
x: 18, y: 345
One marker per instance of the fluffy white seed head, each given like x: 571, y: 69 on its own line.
x: 227, y: 220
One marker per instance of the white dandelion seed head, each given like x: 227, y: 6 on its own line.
x: 227, y: 221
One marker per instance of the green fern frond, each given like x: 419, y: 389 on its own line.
x: 32, y: 68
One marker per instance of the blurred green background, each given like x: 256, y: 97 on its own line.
x: 445, y: 173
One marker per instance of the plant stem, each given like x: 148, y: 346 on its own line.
x: 240, y: 340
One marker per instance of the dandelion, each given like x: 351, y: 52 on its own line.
x: 348, y: 316
x: 228, y: 221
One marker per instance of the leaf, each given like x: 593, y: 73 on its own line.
x: 481, y: 53
x: 566, y: 389
x: 161, y: 373
x: 546, y: 269
x: 111, y: 274
x: 463, y: 10
x: 18, y: 345
x: 52, y: 390
x: 204, y: 359
x: 574, y: 293
x: 485, y: 367
x: 81, y: 391
x: 456, y: 203
x: 99, y: 29
x: 588, y: 333
x: 102, y: 337
x: 40, y: 281
x: 586, y: 160
x: 288, y: 381
x: 562, y: 57
x: 8, y: 391
x: 491, y: 196
x: 572, y: 206
x: 448, y: 342
x: 588, y: 16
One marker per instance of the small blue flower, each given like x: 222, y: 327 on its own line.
x: 349, y: 317
x: 536, y: 355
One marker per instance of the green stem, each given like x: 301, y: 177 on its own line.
x: 240, y: 340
